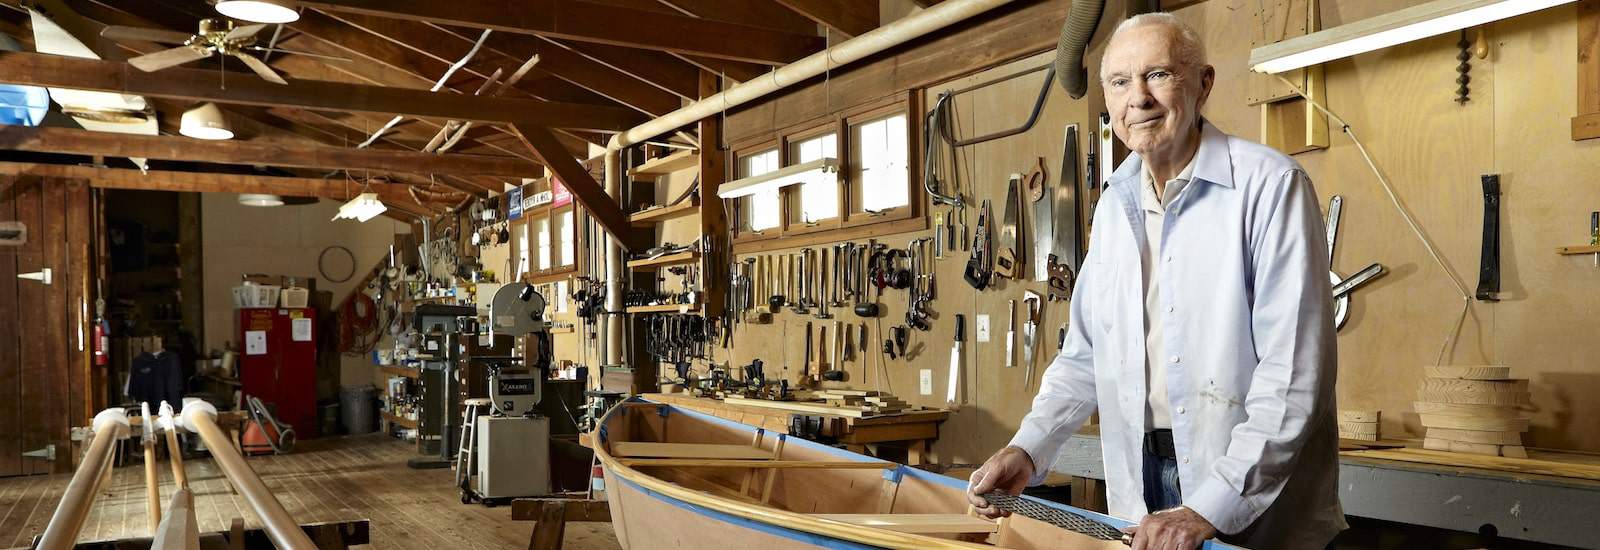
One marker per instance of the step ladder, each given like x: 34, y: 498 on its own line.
x: 466, y: 454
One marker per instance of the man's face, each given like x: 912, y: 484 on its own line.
x: 1153, y: 97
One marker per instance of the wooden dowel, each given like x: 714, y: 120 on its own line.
x: 755, y: 441
x: 67, y: 521
x: 174, y: 451
x: 772, y: 474
x: 201, y: 418
x: 152, y: 483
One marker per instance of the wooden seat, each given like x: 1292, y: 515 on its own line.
x: 630, y: 449
x: 926, y: 524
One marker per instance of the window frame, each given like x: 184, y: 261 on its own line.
x: 552, y: 213
x: 790, y: 232
x: 737, y: 206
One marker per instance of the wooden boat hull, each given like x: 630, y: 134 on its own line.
x: 664, y: 504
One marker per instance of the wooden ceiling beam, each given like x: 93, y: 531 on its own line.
x: 767, y: 15
x: 393, y: 195
x: 588, y: 192
x: 31, y: 69
x: 848, y: 17
x: 591, y: 22
x: 658, y: 69
x: 83, y: 142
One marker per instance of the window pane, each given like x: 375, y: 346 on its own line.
x: 522, y: 251
x: 542, y: 227
x: 761, y: 209
x: 880, y: 160
x: 818, y: 200
x: 569, y: 240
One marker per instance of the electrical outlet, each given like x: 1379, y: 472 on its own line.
x: 983, y: 327
x: 927, y: 382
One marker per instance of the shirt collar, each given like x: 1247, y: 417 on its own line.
x: 1169, y: 191
x: 1211, y: 162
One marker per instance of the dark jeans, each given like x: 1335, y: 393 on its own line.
x: 1161, y: 489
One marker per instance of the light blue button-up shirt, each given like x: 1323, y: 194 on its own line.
x: 1248, y: 331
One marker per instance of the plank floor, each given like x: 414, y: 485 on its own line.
x: 332, y: 479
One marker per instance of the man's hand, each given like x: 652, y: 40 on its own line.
x: 1008, y: 470
x: 1171, y: 529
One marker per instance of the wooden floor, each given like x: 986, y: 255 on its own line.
x: 324, y: 480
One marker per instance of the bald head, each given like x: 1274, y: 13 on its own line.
x: 1181, y: 39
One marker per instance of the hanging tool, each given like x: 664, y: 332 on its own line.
x: 1011, y: 336
x: 805, y: 373
x: 955, y: 362
x: 1030, y: 333
x: 938, y: 235
x: 1342, y: 287
x: 980, y: 265
x: 1006, y: 256
x: 1489, y: 260
x: 1041, y: 225
x: 1066, y: 256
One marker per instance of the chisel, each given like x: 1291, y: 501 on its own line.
x: 955, y: 362
x: 1011, y: 336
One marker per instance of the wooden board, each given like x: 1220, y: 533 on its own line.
x: 1485, y: 372
x: 1466, y: 409
x: 1275, y: 21
x: 1358, y: 416
x: 1587, y: 124
x: 1359, y: 428
x: 797, y: 406
x: 1490, y: 424
x: 1460, y: 447
x: 1503, y: 464
x: 742, y: 463
x: 686, y: 450
x: 1476, y: 436
x: 918, y: 523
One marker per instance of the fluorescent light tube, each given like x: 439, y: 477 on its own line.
x: 362, y: 208
x: 806, y: 172
x: 1399, y: 27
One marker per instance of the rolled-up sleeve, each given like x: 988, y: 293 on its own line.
x: 1292, y: 325
x: 1067, y: 392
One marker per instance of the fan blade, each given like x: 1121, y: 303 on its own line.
x: 239, y: 34
x: 117, y: 32
x: 169, y: 58
x: 261, y: 69
x: 307, y: 54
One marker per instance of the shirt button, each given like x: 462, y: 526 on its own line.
x: 1180, y: 410
x: 1169, y: 259
x: 1186, y: 460
x: 1174, y: 359
x: 1170, y: 309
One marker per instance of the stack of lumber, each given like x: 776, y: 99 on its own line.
x: 866, y: 400
x: 1358, y: 425
x: 1473, y: 409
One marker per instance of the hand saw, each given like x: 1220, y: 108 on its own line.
x: 1057, y: 517
x: 1005, y: 255
x: 1043, y: 222
x: 1066, y: 256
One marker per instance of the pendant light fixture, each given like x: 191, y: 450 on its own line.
x: 205, y: 121
x: 260, y: 11
x: 260, y: 199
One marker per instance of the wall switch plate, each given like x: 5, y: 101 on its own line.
x: 983, y: 327
x: 927, y: 382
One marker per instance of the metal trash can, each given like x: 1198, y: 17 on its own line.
x: 357, y: 405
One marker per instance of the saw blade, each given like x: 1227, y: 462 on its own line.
x: 1057, y: 517
x: 1064, y: 244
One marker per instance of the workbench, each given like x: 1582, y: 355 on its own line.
x: 1518, y: 505
x: 917, y: 429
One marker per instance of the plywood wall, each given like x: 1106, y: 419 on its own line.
x: 1400, y: 102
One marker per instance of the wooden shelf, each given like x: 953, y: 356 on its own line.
x: 399, y: 371
x: 434, y: 300
x: 658, y: 215
x: 668, y: 308
x: 686, y: 257
x: 399, y: 421
x: 1585, y: 249
x: 666, y: 165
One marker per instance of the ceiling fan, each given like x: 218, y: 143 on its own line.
x: 215, y: 36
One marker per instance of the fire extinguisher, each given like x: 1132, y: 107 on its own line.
x: 102, y: 335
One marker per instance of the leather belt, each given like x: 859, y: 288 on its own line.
x: 1159, y: 443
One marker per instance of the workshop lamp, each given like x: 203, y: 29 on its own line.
x: 362, y: 208
x: 260, y: 11
x: 205, y: 121
x: 260, y: 199
x: 816, y: 171
x: 1414, y: 23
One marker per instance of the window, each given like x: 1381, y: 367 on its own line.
x: 541, y: 228
x: 522, y: 251
x: 567, y: 241
x: 762, y: 210
x: 878, y: 157
x: 818, y: 200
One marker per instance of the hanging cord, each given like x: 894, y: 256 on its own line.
x: 436, y: 86
x: 1466, y: 297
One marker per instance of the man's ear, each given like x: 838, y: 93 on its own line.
x: 1208, y: 76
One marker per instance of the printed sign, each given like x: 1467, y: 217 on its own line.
x: 514, y: 201
x: 563, y: 196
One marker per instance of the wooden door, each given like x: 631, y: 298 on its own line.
x: 45, y: 329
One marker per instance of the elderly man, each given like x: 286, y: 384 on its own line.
x: 1201, y: 326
